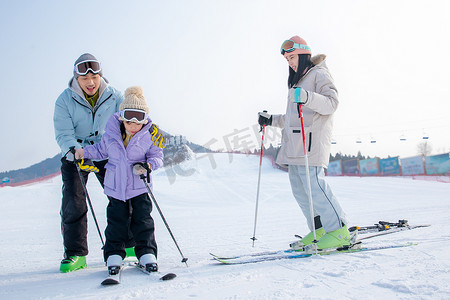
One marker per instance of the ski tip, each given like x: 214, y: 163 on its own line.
x: 168, y: 276
x: 109, y: 281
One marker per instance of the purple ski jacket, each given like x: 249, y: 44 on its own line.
x: 120, y: 182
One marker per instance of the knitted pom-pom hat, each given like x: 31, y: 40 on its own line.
x: 134, y: 99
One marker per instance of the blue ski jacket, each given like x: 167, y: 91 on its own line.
x: 76, y: 122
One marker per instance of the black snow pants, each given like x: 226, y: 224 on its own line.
x: 142, y: 226
x: 74, y: 210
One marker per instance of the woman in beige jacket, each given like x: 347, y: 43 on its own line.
x: 310, y: 85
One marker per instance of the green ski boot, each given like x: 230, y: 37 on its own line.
x: 130, y: 253
x: 73, y: 263
x: 335, y: 239
x: 308, y: 239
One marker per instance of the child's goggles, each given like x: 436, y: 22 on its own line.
x: 133, y: 115
x: 289, y: 46
x: 82, y: 68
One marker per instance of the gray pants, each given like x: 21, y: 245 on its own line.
x: 324, y: 202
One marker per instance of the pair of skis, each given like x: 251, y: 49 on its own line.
x: 366, y: 232
x: 115, y: 277
x: 290, y: 254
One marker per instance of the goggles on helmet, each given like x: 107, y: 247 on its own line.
x: 82, y: 68
x: 290, y: 45
x: 133, y: 115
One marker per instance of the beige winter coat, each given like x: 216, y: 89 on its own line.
x: 318, y: 119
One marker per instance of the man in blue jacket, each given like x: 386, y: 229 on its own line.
x: 80, y: 116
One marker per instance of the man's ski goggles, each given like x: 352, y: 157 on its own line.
x: 82, y: 68
x: 133, y: 115
x: 289, y: 46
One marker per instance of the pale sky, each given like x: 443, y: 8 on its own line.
x: 208, y: 67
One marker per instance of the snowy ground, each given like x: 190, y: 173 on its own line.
x: 213, y: 211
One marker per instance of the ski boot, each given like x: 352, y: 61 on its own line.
x: 148, y: 262
x: 113, y: 270
x: 308, y: 239
x: 72, y: 263
x: 114, y: 263
x: 335, y: 239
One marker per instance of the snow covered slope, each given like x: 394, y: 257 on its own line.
x: 211, y: 209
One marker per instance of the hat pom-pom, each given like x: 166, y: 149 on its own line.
x: 134, y: 90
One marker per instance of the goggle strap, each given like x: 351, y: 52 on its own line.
x: 304, y: 47
x: 294, y: 46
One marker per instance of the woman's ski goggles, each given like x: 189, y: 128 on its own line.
x: 289, y: 46
x: 133, y: 115
x: 82, y: 68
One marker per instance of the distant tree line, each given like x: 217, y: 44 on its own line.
x: 344, y: 157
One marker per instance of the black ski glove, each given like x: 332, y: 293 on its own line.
x: 264, y: 118
x: 70, y: 155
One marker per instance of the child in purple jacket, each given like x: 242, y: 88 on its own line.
x: 127, y: 144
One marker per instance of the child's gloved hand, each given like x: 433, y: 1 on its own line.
x: 142, y: 168
x: 87, y: 165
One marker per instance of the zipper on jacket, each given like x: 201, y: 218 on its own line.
x: 97, y: 107
x: 81, y: 103
x: 93, y: 110
x: 93, y: 116
x: 310, y: 139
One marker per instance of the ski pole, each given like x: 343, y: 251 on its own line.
x: 184, y: 259
x: 308, y: 179
x: 72, y: 149
x: 259, y: 182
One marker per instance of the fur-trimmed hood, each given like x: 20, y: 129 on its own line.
x: 318, y: 59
